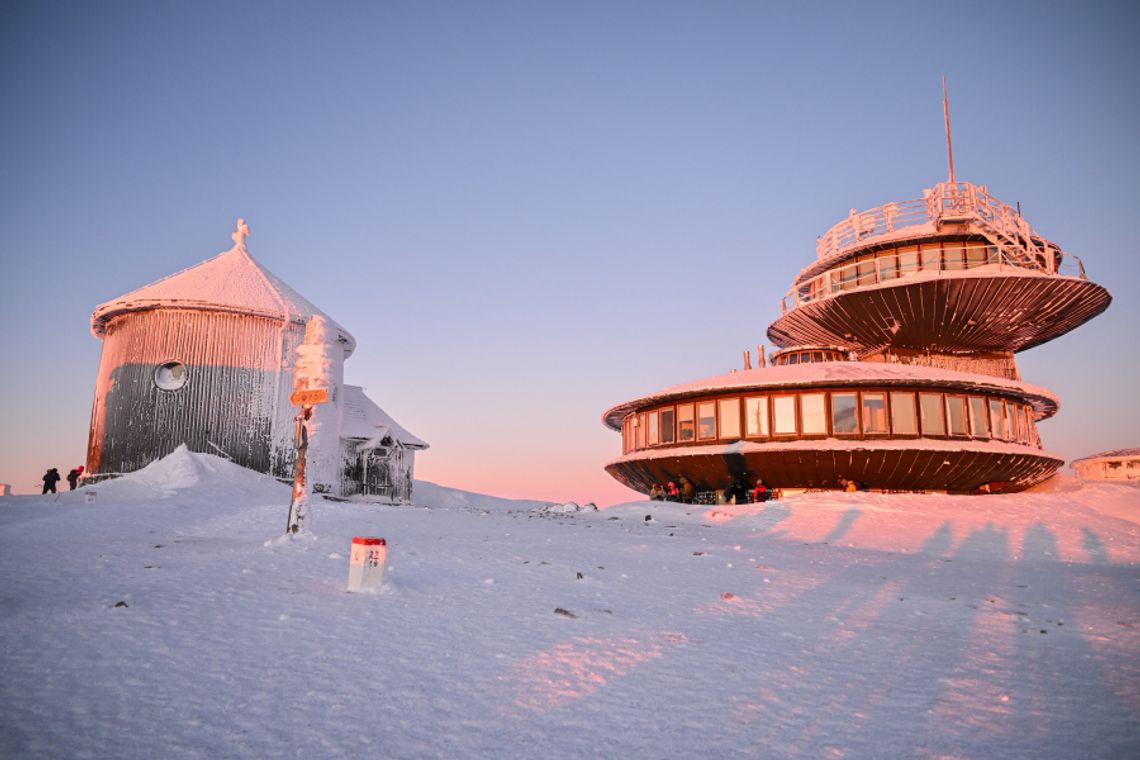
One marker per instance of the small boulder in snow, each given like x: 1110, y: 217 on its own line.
x: 568, y: 508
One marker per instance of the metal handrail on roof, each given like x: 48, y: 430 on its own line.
x: 1012, y: 242
x: 892, y: 267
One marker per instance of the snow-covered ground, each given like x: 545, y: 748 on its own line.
x: 169, y: 618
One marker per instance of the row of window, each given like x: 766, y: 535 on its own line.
x: 844, y: 414
x: 808, y: 356
x: 893, y: 263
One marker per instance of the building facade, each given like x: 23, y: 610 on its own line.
x: 206, y: 357
x: 895, y: 366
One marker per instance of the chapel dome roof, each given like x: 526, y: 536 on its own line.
x: 232, y: 281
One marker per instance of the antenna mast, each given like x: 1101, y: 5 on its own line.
x: 949, y: 147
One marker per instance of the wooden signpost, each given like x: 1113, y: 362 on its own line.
x: 306, y: 399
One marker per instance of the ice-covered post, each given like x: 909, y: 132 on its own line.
x: 320, y: 362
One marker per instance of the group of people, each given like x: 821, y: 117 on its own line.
x: 673, y: 492
x: 51, y: 477
x: 741, y: 494
x: 734, y: 491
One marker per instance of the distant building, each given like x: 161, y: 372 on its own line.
x: 205, y: 357
x: 896, y: 369
x: 1120, y: 464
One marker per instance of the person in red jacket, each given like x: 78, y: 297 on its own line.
x: 760, y: 492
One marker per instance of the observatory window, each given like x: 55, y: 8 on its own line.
x: 867, y: 272
x: 844, y: 414
x: 978, y: 426
x: 931, y: 257
x: 956, y: 414
x: 706, y: 418
x: 997, y: 419
x: 813, y: 414
x: 888, y: 267
x: 170, y: 376
x: 848, y: 277
x: 975, y: 256
x: 908, y: 260
x: 729, y: 410
x: 685, y: 430
x: 640, y: 423
x: 667, y: 425
x: 1030, y: 430
x: 654, y: 438
x: 785, y: 412
x: 930, y: 405
x: 874, y: 413
x: 902, y: 413
x: 952, y: 255
x: 1011, y: 431
x: 756, y: 417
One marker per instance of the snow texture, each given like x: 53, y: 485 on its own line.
x: 231, y: 281
x: 362, y: 418
x: 320, y: 364
x: 170, y: 618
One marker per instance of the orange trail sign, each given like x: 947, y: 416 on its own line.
x: 309, y: 396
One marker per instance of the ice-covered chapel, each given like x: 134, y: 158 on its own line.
x: 206, y: 356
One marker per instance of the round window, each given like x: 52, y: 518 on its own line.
x: 170, y: 376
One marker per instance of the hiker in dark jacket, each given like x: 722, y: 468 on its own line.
x: 51, y: 477
x: 686, y: 490
x: 72, y: 479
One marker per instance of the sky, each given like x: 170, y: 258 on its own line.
x: 526, y: 213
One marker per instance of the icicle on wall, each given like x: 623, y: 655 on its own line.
x: 223, y: 402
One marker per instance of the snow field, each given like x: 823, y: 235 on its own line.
x: 826, y: 625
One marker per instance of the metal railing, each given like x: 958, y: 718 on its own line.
x: 892, y: 265
x: 867, y: 224
x: 946, y: 201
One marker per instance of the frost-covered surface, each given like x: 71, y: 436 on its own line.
x: 230, y: 281
x: 362, y: 418
x: 838, y: 373
x: 320, y: 364
x: 1113, y: 454
x: 827, y: 625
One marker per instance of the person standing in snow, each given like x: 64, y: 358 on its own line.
x: 72, y: 479
x: 735, y: 492
x: 671, y: 492
x: 760, y: 492
x: 51, y: 477
x: 686, y: 490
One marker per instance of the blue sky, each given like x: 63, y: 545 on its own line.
x: 529, y: 212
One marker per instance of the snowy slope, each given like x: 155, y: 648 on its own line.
x: 827, y: 625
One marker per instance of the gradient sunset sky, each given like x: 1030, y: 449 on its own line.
x: 528, y: 212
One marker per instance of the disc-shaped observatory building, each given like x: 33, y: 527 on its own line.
x: 895, y: 366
